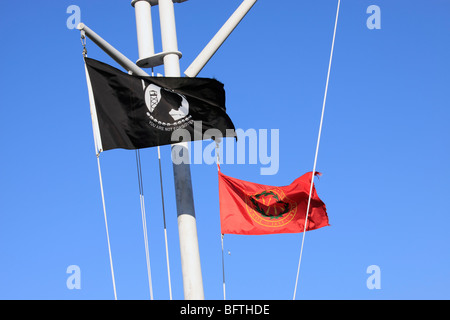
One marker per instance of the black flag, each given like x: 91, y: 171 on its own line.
x: 132, y: 112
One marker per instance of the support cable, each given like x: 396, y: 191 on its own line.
x: 106, y: 226
x: 164, y: 216
x: 221, y: 236
x: 223, y: 269
x: 144, y: 220
x: 317, y: 147
x: 97, y: 152
x: 165, y: 229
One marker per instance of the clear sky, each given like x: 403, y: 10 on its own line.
x: 384, y: 152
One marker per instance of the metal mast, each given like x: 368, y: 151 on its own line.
x: 187, y: 227
x: 170, y: 57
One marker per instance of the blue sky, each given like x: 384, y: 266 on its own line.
x: 384, y: 152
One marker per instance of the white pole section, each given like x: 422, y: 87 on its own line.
x: 220, y: 37
x: 187, y: 227
x: 111, y: 51
x: 144, y: 28
x: 169, y: 38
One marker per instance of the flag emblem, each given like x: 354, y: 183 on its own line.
x: 166, y: 107
x: 270, y: 208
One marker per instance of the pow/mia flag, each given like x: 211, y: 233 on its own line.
x: 132, y: 112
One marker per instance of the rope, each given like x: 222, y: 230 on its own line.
x: 144, y: 220
x: 217, y: 156
x: 317, y: 147
x: 164, y: 217
x: 221, y: 236
x: 223, y: 269
x: 106, y: 226
x: 97, y: 152
x: 165, y: 229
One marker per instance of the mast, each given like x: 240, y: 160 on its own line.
x: 187, y: 225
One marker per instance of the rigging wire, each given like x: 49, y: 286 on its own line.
x: 144, y: 220
x: 164, y: 213
x: 106, y: 226
x: 97, y: 152
x: 164, y: 219
x: 317, y: 147
x: 221, y: 236
x: 223, y: 269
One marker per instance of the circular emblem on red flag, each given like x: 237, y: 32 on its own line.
x: 270, y: 208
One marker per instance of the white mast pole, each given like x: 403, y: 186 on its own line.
x: 187, y: 226
x: 144, y: 28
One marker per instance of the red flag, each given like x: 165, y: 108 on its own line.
x: 254, y: 209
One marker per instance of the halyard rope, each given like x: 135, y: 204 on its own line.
x: 221, y: 236
x: 97, y: 152
x: 106, y: 226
